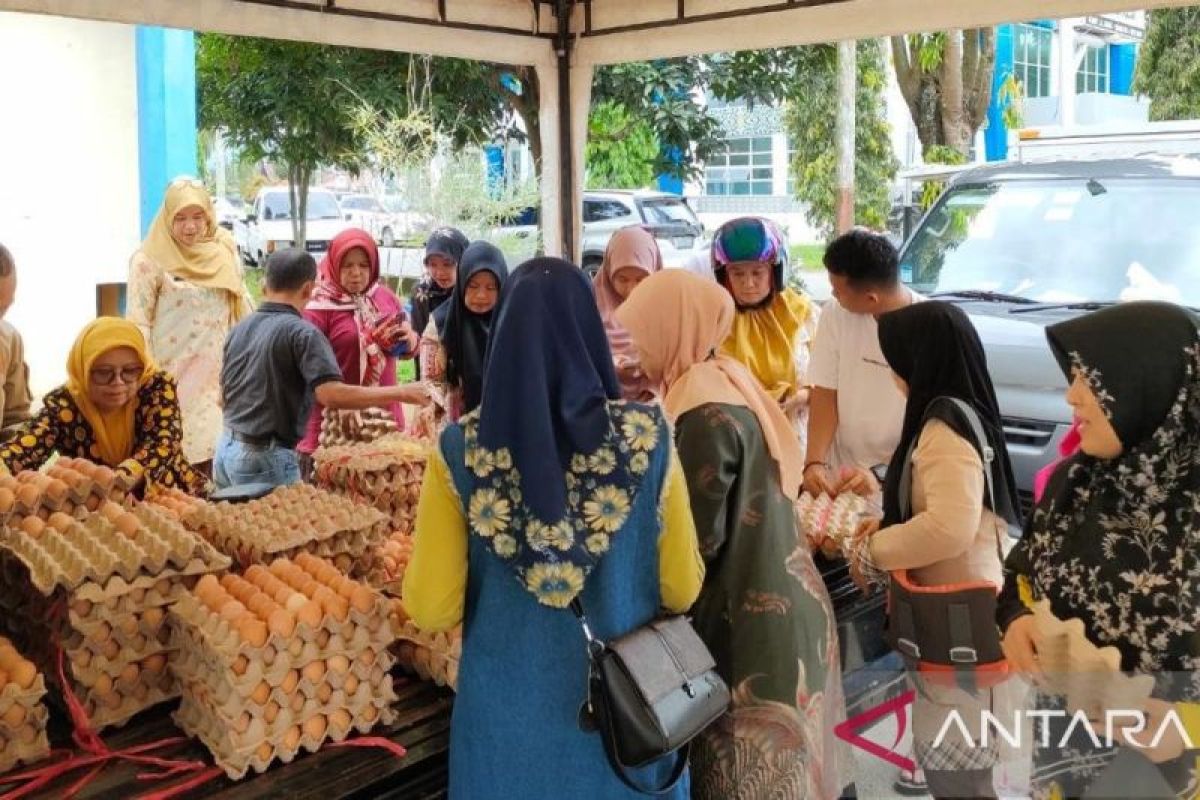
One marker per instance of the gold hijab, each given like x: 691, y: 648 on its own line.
x: 211, y: 261
x: 113, y: 429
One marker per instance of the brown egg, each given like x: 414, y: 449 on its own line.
x: 253, y: 631
x: 290, y: 681
x: 295, y: 601
x: 314, y: 671
x: 92, y: 503
x: 314, y: 728
x: 228, y: 581
x: 154, y: 664
x: 363, y: 599
x: 3, y: 679
x: 8, y: 499
x: 112, y: 648
x: 33, y: 526
x: 111, y: 511
x: 232, y: 611
x: 265, y: 752
x: 261, y: 693
x: 324, y: 693
x: 261, y: 606
x: 207, y: 583
x: 101, y: 633
x: 340, y: 720
x: 338, y: 664
x: 350, y: 687
x: 163, y: 586
x: 102, y: 474
x: 15, y: 715
x: 369, y: 714
x: 279, y: 568
x: 82, y: 608
x: 295, y: 646
x: 128, y: 625
x: 240, y: 665
x: 256, y: 574
x: 28, y: 495
x: 271, y: 712
x: 281, y: 622
x: 291, y: 739
x: 367, y: 657
x: 130, y: 673
x: 152, y: 617
x: 103, y: 685
x: 322, y: 639
x: 61, y: 522
x: 128, y: 525
x: 56, y: 490
x: 297, y: 703
x: 310, y: 614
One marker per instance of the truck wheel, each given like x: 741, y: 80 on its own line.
x: 591, y: 265
x: 387, y: 238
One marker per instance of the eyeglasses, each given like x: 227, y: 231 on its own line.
x: 108, y: 375
x: 186, y: 181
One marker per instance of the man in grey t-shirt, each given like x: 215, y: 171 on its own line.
x: 276, y: 365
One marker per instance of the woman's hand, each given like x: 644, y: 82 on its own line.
x: 857, y: 480
x: 816, y: 480
x: 1020, y: 646
x: 858, y: 549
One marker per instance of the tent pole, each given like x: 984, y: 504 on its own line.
x: 562, y: 53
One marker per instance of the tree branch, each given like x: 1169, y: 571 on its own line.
x: 953, y: 110
x: 907, y: 73
x: 980, y: 86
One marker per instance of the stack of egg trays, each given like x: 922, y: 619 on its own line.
x: 267, y: 713
x: 25, y: 741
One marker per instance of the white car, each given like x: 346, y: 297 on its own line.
x: 366, y: 212
x: 268, y: 225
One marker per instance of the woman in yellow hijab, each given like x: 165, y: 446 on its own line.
x: 116, y: 409
x: 186, y: 292
x: 774, y: 323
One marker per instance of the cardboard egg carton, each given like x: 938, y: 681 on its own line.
x: 290, y: 520
x: 95, y: 550
x: 175, y: 502
x: 22, y: 710
x: 366, y: 425
x: 432, y: 656
x: 383, y: 567
x: 386, y: 474
x: 252, y: 693
x: 835, y: 519
x: 67, y: 485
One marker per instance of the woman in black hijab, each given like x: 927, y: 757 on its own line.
x: 954, y: 532
x: 1115, y: 542
x: 443, y: 252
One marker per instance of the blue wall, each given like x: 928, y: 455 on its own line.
x: 166, y: 84
x: 995, y: 138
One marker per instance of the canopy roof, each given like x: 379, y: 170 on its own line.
x: 566, y: 39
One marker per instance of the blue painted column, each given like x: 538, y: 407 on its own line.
x: 166, y: 84
x: 995, y: 138
x: 1122, y: 64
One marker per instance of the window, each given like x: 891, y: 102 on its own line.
x: 604, y: 210
x: 1093, y: 71
x: 321, y: 205
x: 745, y: 168
x: 1031, y: 59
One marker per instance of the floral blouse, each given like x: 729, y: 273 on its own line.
x: 157, y: 445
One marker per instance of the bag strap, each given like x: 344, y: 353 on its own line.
x: 596, y: 647
x: 987, y: 454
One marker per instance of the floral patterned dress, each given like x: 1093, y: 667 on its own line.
x: 185, y: 328
x: 60, y: 428
x: 766, y: 616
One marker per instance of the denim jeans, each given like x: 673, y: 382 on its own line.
x: 238, y: 463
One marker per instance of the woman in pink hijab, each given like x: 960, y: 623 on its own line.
x: 631, y: 257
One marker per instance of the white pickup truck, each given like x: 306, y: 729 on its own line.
x: 267, y: 226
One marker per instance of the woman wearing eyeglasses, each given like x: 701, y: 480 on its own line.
x: 186, y: 291
x: 116, y: 409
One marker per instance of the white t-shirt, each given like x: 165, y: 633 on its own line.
x: 846, y: 357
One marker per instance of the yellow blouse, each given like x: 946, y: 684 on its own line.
x: 435, y: 583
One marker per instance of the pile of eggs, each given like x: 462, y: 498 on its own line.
x: 70, y: 485
x: 371, y: 424
x: 22, y: 712
x: 279, y: 660
x: 386, y: 474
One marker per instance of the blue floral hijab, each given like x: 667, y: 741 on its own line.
x: 555, y: 458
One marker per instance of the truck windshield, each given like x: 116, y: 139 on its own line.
x: 1062, y: 241
x: 321, y: 205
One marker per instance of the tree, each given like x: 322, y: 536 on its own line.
x: 946, y: 80
x: 1168, y: 70
x: 621, y: 149
x: 811, y: 107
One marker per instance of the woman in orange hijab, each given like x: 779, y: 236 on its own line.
x: 116, y: 409
x: 763, y: 611
x: 185, y: 294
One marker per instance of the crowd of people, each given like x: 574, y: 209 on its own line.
x: 638, y: 442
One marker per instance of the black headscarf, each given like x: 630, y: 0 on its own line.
x: 1117, y: 542
x: 448, y: 242
x: 934, y: 348
x: 464, y: 334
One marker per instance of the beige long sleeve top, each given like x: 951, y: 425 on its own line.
x: 15, y: 398
x: 951, y: 537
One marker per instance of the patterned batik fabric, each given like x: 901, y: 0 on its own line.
x: 552, y: 557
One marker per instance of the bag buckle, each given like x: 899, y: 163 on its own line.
x: 963, y: 655
x: 689, y: 689
x: 908, y: 647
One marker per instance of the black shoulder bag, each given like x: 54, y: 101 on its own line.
x: 650, y: 693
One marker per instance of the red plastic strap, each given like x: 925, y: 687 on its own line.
x: 382, y: 742
x: 174, y: 791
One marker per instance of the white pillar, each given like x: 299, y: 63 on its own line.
x: 554, y: 191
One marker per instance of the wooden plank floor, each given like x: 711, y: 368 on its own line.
x: 338, y: 773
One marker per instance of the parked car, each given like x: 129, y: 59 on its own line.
x: 366, y: 212
x: 679, y: 232
x: 1021, y: 246
x: 268, y: 225
x: 229, y: 210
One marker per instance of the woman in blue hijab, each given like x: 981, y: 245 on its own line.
x: 552, y: 489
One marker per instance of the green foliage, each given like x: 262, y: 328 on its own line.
x: 1011, y: 99
x: 931, y: 50
x: 938, y: 154
x: 621, y: 149
x: 811, y: 109
x: 1168, y: 70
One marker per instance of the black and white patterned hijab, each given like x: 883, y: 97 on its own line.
x: 1117, y: 542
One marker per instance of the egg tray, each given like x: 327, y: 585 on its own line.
x: 85, y: 611
x: 94, y: 550
x: 88, y: 668
x: 195, y: 720
x: 158, y: 691
x: 27, y: 743
x: 373, y: 423
x: 428, y: 664
x: 172, y: 501
x: 386, y: 474
x: 836, y: 519
x: 63, y: 488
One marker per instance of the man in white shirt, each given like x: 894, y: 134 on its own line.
x: 856, y: 410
